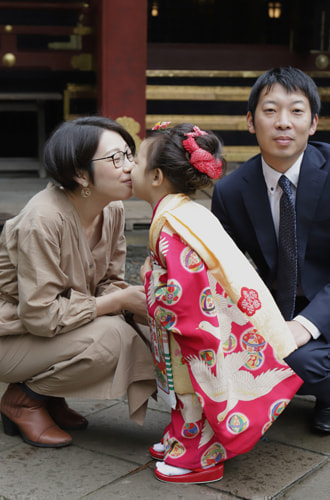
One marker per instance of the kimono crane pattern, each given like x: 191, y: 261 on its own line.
x: 230, y: 382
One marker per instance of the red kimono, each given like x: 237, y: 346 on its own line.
x: 230, y: 384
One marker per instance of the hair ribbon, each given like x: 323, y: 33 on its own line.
x: 201, y: 159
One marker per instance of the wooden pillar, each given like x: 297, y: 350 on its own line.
x: 122, y: 61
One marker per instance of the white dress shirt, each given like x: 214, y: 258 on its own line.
x: 274, y: 194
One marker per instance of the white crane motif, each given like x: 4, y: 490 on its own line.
x: 230, y: 384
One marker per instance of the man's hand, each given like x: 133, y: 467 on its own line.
x: 299, y: 332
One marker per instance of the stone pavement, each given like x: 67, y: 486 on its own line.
x: 110, y: 460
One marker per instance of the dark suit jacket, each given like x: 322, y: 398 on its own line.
x: 240, y: 201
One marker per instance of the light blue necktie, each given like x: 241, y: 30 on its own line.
x: 287, y: 252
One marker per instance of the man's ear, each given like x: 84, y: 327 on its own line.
x: 314, y: 125
x: 157, y: 177
x: 250, y: 124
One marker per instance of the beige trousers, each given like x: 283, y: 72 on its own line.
x: 104, y: 359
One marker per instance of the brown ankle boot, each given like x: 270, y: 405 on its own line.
x: 29, y: 417
x: 63, y: 416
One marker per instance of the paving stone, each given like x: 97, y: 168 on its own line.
x: 293, y: 427
x: 144, y: 486
x: 267, y: 470
x: 111, y: 432
x: 30, y: 473
x: 315, y: 485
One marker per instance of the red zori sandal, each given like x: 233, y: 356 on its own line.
x: 157, y: 451
x: 200, y: 476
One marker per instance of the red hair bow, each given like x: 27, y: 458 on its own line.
x: 201, y: 159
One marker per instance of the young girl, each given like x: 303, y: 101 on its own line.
x: 227, y: 339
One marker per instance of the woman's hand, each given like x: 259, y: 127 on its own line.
x: 146, y: 267
x: 132, y: 298
x: 135, y: 301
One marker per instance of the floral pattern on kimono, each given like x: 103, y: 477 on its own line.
x: 239, y: 385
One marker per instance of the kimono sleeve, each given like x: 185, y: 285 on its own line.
x: 179, y: 299
x: 178, y: 292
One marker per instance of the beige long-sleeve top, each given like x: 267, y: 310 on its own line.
x: 49, y: 277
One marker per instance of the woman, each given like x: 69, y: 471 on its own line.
x: 62, y: 293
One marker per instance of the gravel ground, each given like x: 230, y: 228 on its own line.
x: 135, y: 257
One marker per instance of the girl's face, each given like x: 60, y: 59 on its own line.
x: 141, y: 177
x: 112, y: 182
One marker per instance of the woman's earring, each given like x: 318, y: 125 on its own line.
x: 85, y: 191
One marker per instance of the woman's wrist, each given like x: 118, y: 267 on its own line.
x: 112, y: 303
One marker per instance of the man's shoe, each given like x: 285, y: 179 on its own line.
x: 321, y: 418
x: 63, y: 416
x: 29, y: 417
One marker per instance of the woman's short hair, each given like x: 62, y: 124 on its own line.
x: 71, y: 147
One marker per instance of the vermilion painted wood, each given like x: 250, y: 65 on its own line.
x: 122, y: 59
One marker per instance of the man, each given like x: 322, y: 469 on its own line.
x: 283, y: 111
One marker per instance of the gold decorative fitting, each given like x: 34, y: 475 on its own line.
x: 75, y: 43
x: 9, y: 59
x: 132, y: 126
x: 83, y: 62
x: 8, y: 28
x: 322, y: 61
x: 83, y: 30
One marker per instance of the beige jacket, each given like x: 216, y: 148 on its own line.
x: 49, y: 277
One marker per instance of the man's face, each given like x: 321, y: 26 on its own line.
x: 282, y: 123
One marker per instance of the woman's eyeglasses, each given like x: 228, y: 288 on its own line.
x: 118, y: 158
